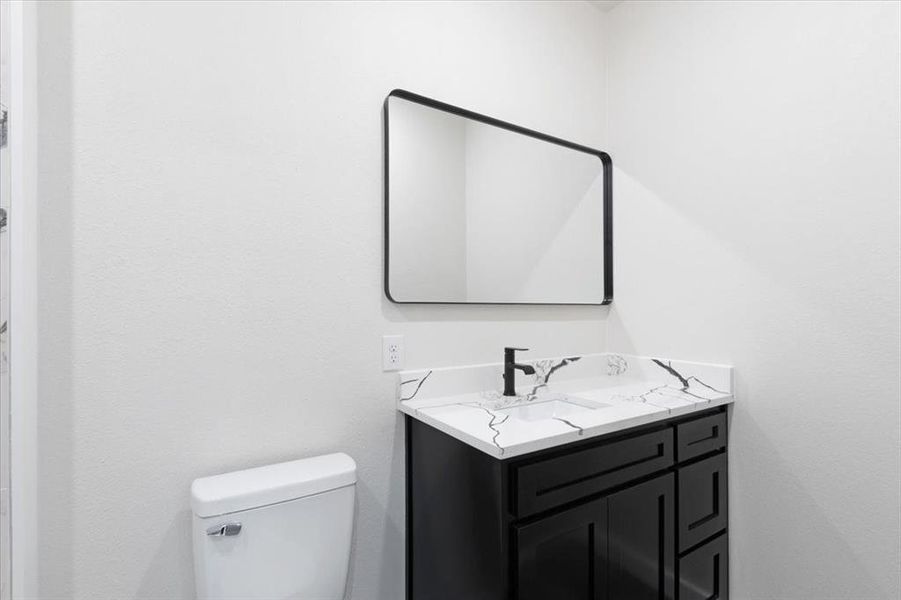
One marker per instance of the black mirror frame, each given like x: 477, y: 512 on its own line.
x: 608, y: 193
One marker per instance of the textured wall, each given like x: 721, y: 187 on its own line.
x: 210, y: 255
x: 757, y: 223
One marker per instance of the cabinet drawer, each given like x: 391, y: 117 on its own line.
x: 704, y: 572
x: 543, y: 485
x: 700, y: 436
x: 702, y: 500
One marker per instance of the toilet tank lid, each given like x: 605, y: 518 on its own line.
x: 262, y: 486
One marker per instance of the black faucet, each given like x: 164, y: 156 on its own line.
x: 510, y: 367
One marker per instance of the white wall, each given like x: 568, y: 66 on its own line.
x: 210, y: 255
x: 757, y: 223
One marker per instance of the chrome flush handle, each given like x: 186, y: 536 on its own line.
x: 224, y: 529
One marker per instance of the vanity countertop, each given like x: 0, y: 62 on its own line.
x: 595, y: 395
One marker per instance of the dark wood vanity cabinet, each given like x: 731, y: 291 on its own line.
x: 620, y: 546
x: 640, y: 514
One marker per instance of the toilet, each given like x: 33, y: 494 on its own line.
x: 277, y: 532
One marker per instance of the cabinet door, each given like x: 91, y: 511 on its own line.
x: 642, y: 544
x: 704, y: 572
x: 563, y: 556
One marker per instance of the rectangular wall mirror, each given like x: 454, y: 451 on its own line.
x: 484, y: 212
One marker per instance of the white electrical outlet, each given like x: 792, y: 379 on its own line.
x: 392, y: 352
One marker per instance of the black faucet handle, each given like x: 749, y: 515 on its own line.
x: 510, y: 355
x: 510, y: 367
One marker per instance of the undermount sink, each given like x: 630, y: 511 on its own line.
x: 556, y: 408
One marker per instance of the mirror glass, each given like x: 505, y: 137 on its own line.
x: 481, y: 211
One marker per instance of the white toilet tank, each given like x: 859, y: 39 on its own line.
x: 277, y: 532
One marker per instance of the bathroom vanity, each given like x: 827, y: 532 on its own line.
x: 600, y: 477
x: 605, y: 478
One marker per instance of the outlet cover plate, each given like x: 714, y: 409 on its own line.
x: 392, y: 352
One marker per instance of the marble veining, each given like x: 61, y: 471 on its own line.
x: 419, y: 381
x: 494, y: 422
x: 685, y: 381
x: 543, y: 371
x: 617, y: 364
x: 604, y: 392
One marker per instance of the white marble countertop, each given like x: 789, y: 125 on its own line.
x: 618, y: 392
